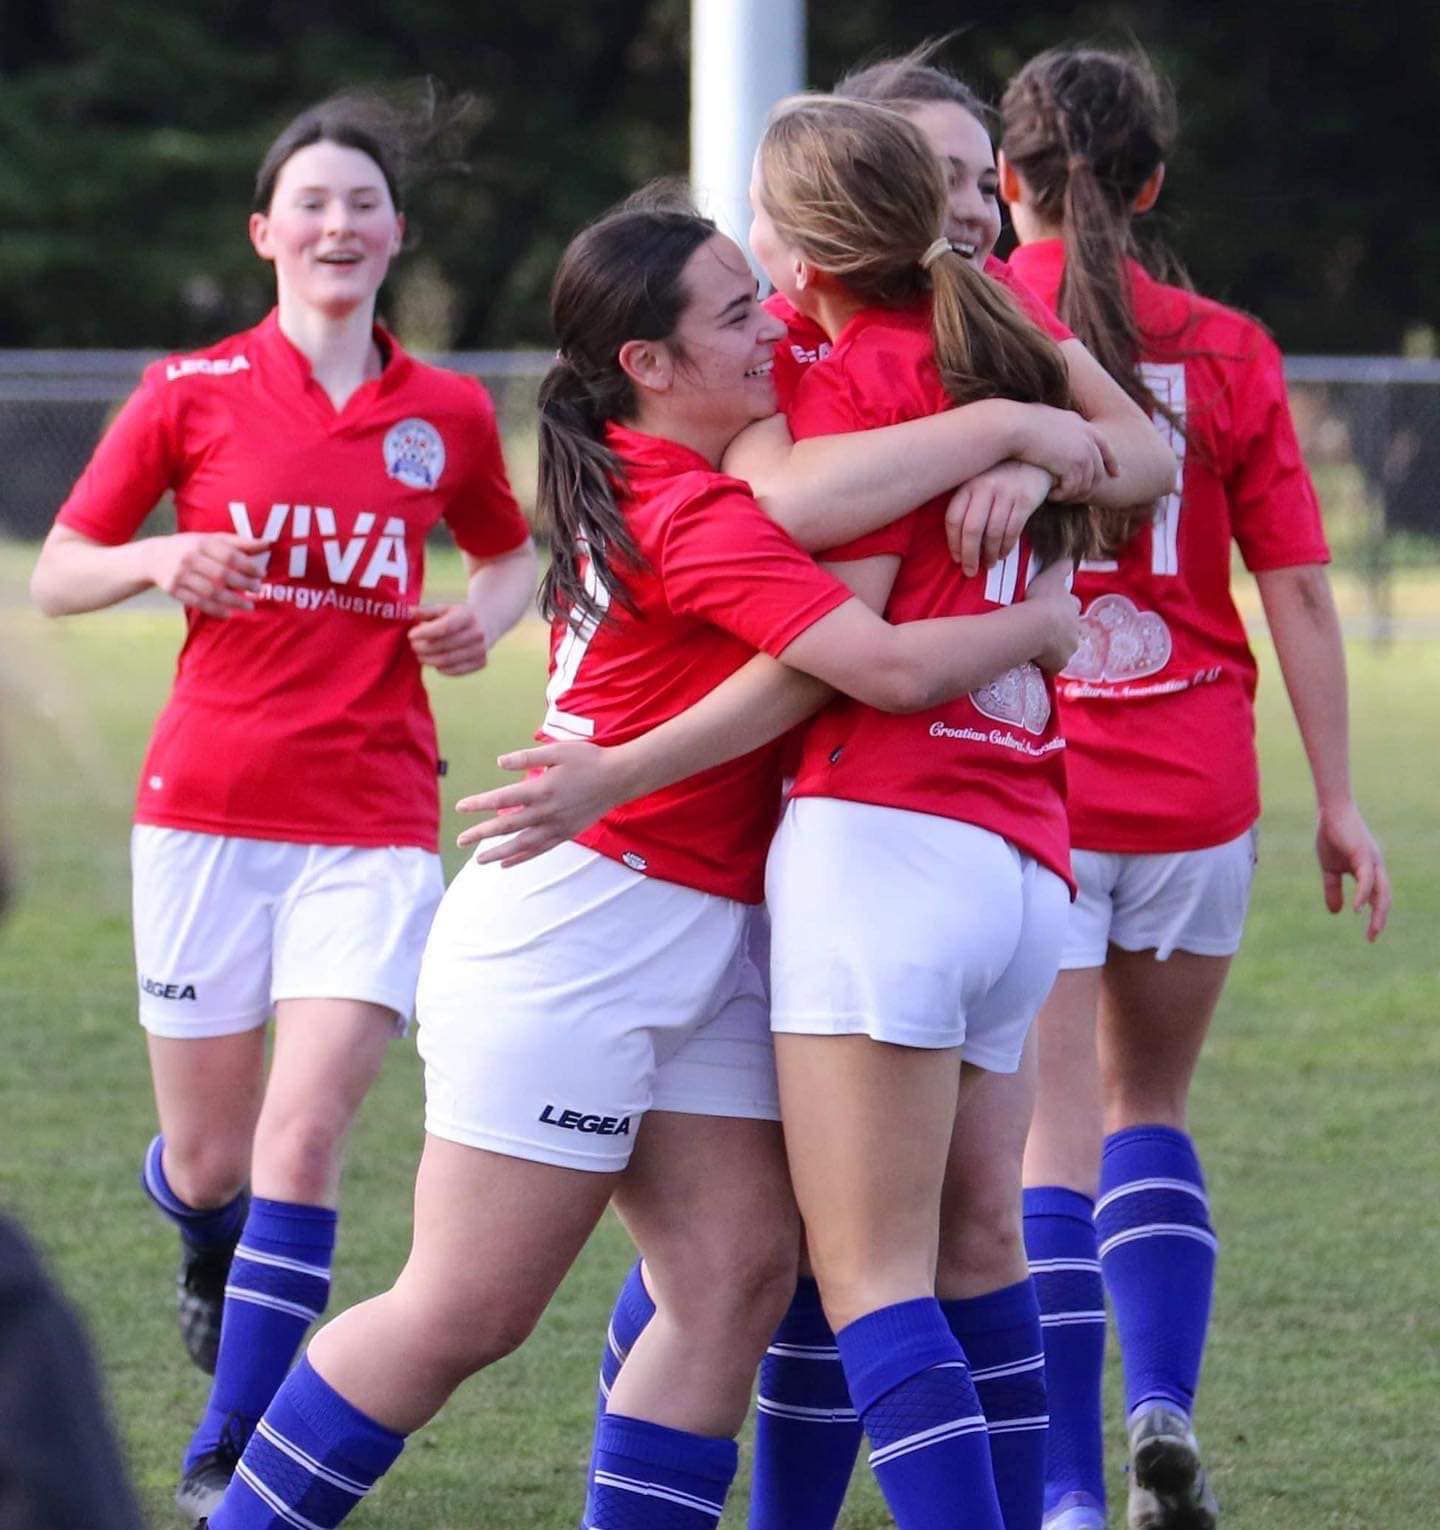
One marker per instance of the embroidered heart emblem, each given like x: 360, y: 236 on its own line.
x: 1018, y: 696
x: 1119, y: 642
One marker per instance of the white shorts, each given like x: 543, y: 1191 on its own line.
x: 562, y: 999
x: 226, y: 927
x: 909, y: 928
x: 1190, y: 900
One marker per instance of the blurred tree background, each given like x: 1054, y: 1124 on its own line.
x: 130, y: 131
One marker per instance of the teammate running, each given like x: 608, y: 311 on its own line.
x: 284, y: 849
x: 1158, y: 713
x: 591, y: 1024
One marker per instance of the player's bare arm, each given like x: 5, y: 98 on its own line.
x: 1300, y: 610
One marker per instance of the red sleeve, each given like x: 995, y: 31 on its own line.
x: 483, y: 517
x: 1034, y: 307
x: 825, y: 405
x: 134, y: 464
x: 726, y: 562
x: 1274, y: 512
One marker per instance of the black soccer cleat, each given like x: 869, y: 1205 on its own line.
x: 1168, y: 1486
x: 200, y: 1300
x: 202, y: 1488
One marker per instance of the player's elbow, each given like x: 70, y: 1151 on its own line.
x: 47, y: 593
x: 896, y: 681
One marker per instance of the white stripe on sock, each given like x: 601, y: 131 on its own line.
x: 275, y: 1303
x: 658, y: 1490
x: 273, y: 1501
x: 953, y: 1429
x: 1136, y: 1186
x: 315, y: 1468
x: 1069, y: 1319
x: 1160, y: 1230
x: 1015, y: 1368
x: 806, y: 1415
x: 280, y: 1262
x: 1055, y: 1266
x: 614, y: 1344
x: 804, y: 1351
x: 1019, y: 1425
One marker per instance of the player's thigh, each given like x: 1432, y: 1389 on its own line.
x: 1153, y: 1019
x: 981, y: 1244
x: 203, y: 917
x: 1066, y: 1128
x: 548, y: 995
x: 708, y: 1202
x: 352, y: 925
x: 867, y: 1128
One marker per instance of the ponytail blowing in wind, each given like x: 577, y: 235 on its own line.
x: 1086, y: 130
x: 619, y: 280
x: 856, y: 189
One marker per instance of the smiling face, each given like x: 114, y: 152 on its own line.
x: 331, y: 228
x: 972, y: 220
x: 725, y: 338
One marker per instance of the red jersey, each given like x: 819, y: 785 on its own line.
x: 719, y: 580
x: 304, y: 719
x: 992, y: 758
x: 807, y: 343
x: 1158, y: 701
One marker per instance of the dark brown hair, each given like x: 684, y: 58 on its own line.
x: 1085, y: 129
x: 410, y: 131
x: 913, y: 78
x: 619, y: 280
x: 856, y: 189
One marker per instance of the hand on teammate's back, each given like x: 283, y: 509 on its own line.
x: 574, y: 787
x: 1069, y: 447
x: 214, y: 571
x: 449, y: 638
x: 1051, y: 587
x: 1346, y: 847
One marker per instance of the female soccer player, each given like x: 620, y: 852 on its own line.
x: 284, y: 849
x: 590, y: 1024
x: 1158, y: 714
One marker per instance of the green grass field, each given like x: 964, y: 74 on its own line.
x: 1316, y: 1110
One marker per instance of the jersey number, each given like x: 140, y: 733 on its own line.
x: 568, y: 656
x: 1166, y: 380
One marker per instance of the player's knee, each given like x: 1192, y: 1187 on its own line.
x: 207, y: 1170
x: 984, y: 1247
x: 744, y: 1286
x: 298, y: 1158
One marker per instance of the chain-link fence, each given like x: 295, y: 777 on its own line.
x: 1370, y: 427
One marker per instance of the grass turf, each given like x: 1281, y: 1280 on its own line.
x: 1314, y: 1109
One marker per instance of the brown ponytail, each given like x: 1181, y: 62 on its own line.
x: 1085, y: 130
x: 619, y: 280
x: 856, y: 189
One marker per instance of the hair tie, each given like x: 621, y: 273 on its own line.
x: 1076, y: 162
x: 938, y: 247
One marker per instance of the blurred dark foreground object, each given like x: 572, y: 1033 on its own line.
x: 60, y: 1466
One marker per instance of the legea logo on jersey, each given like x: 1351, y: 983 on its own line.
x: 414, y: 454
x: 205, y: 366
x: 579, y: 1121
x: 158, y: 990
x: 348, y: 560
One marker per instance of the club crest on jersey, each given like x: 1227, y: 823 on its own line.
x: 414, y: 454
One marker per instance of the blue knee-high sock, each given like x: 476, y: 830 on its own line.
x: 648, y: 1477
x: 807, y: 1433
x: 912, y: 1390
x: 1000, y: 1334
x: 1157, y: 1251
x: 1065, y: 1264
x: 312, y: 1459
x: 212, y: 1227
x: 279, y: 1283
x: 633, y: 1311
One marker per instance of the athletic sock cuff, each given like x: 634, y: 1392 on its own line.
x: 638, y: 1439
x: 635, y: 1304
x: 368, y: 1445
x: 1058, y: 1201
x: 1152, y: 1132
x: 887, y: 1347
x: 1008, y: 1307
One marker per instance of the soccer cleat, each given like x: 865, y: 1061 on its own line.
x: 1168, y: 1486
x: 200, y: 1300
x: 202, y: 1488
x: 1076, y: 1511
